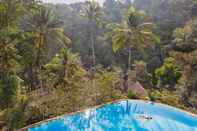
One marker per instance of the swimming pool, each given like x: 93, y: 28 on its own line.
x: 126, y: 115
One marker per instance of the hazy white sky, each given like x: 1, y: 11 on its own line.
x: 68, y: 1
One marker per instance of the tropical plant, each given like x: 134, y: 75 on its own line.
x: 93, y: 14
x: 108, y: 85
x: 185, y: 38
x: 10, y: 35
x: 132, y: 95
x: 133, y: 32
x: 169, y: 73
x: 10, y: 12
x: 16, y: 117
x: 9, y: 85
x: 64, y: 69
x: 46, y: 28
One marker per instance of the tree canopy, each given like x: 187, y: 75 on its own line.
x: 57, y: 58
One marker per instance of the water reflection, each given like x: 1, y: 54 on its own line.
x: 122, y: 116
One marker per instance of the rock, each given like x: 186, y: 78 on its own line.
x: 137, y: 88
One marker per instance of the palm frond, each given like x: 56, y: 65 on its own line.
x: 151, y: 36
x: 58, y: 35
x: 147, y: 26
x: 119, y: 41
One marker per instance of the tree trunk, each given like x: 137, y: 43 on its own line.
x: 39, y: 64
x: 125, y: 83
x: 93, y: 52
x: 31, y: 76
x: 129, y: 60
x: 92, y: 35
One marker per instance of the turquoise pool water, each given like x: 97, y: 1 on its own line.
x: 128, y: 115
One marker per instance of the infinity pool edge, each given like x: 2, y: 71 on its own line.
x: 100, y: 106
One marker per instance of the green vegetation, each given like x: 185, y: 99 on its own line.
x: 132, y: 33
x: 169, y: 73
x: 62, y: 58
x: 132, y: 95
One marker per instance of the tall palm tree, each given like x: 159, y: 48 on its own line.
x: 133, y: 32
x: 93, y: 14
x: 46, y: 28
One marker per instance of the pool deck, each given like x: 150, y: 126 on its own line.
x: 95, y: 107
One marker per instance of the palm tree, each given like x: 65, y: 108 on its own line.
x: 46, y: 28
x: 93, y: 13
x: 133, y: 32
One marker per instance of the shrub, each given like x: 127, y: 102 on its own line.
x: 8, y: 90
x: 169, y: 73
x: 132, y: 95
x: 154, y: 95
x: 15, y: 117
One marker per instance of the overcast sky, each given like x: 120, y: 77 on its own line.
x: 68, y: 1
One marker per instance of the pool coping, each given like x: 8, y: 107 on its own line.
x: 95, y: 107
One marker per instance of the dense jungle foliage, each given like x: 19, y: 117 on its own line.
x: 59, y: 58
